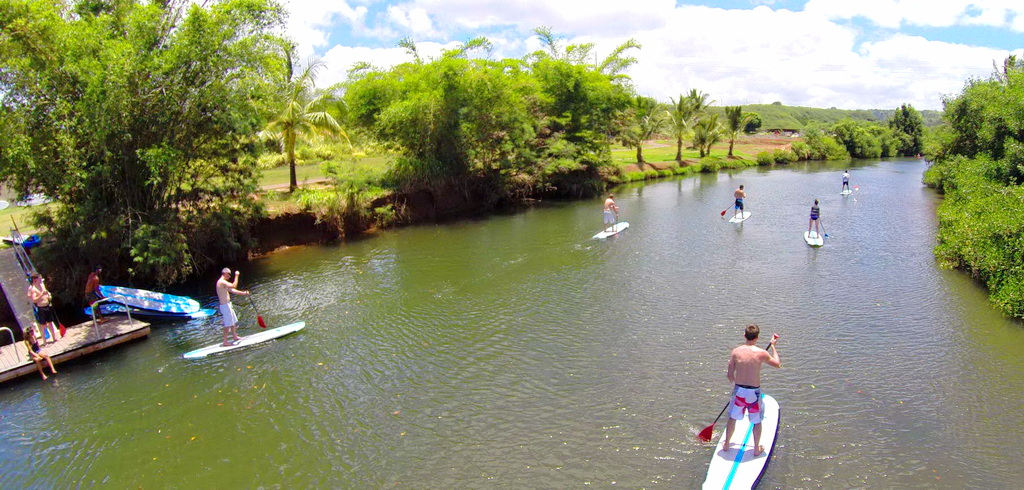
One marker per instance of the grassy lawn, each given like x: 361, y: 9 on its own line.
x: 276, y: 176
x: 663, y: 150
x: 20, y: 215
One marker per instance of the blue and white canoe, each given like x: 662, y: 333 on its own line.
x: 151, y: 300
x: 108, y: 309
x: 738, y: 467
x: 246, y: 341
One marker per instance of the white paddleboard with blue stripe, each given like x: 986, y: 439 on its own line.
x: 738, y: 467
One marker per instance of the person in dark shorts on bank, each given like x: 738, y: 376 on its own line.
x: 92, y: 292
x: 41, y: 298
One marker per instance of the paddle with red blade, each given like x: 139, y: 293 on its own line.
x: 705, y: 435
x: 259, y: 318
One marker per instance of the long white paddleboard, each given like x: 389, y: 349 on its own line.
x: 614, y: 230
x: 814, y: 239
x: 846, y: 192
x: 248, y: 340
x: 738, y: 467
x: 739, y: 218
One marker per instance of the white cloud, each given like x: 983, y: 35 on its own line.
x: 614, y: 18
x: 414, y: 20
x: 309, y: 21
x: 340, y: 59
x: 757, y: 55
x: 931, y: 13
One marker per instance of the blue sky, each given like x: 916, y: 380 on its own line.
x: 819, y: 53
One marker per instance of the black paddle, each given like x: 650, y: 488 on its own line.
x: 705, y: 435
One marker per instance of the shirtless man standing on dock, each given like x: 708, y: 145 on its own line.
x: 41, y: 298
x: 745, y: 372
x: 225, y: 288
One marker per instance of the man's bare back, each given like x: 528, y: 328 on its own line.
x: 745, y: 365
x: 609, y: 205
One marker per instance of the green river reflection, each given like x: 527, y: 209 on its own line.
x: 517, y: 352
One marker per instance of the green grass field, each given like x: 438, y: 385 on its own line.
x: 310, y: 173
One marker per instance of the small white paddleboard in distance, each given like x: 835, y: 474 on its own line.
x: 248, y: 340
x: 739, y: 218
x: 813, y: 239
x: 613, y: 230
x: 738, y: 467
x: 846, y: 192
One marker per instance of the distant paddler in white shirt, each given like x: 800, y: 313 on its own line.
x: 846, y: 180
x: 611, y: 213
x: 225, y: 288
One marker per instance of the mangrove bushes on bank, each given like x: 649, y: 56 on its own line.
x: 980, y: 169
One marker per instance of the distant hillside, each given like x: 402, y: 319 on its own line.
x: 777, y: 116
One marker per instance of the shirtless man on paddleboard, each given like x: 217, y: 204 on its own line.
x: 740, y: 195
x: 225, y: 288
x: 745, y: 372
x: 611, y: 213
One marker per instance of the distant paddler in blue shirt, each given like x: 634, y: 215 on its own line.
x: 740, y: 195
x: 225, y: 288
x: 611, y: 213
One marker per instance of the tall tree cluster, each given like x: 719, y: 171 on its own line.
x: 138, y: 119
x: 544, y: 122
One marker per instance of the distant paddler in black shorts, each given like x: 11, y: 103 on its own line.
x: 740, y: 195
x: 225, y: 288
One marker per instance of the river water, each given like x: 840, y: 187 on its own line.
x: 518, y: 352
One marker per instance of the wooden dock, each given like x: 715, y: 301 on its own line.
x: 14, y: 279
x: 80, y: 340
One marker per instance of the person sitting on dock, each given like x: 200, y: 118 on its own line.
x: 93, y: 294
x: 36, y: 353
x: 42, y: 299
x: 225, y: 289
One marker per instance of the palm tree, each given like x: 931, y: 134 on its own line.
x: 645, y: 121
x: 735, y: 121
x: 305, y: 113
x: 684, y: 114
x: 706, y: 133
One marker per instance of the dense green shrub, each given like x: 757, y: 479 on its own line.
x: 783, y: 156
x: 765, y: 158
x: 980, y: 169
x: 801, y: 150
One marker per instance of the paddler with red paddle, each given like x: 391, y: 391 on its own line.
x: 745, y: 373
x: 225, y: 288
